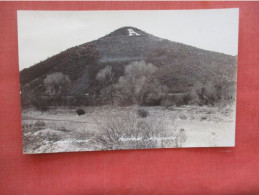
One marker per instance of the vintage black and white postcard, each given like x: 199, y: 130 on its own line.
x: 111, y: 80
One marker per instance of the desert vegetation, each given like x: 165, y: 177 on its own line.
x: 113, y: 127
x: 121, y: 92
x: 133, y: 111
x: 129, y: 131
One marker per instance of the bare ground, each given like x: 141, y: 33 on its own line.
x: 62, y: 130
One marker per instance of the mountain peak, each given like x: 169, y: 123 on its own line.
x: 127, y: 31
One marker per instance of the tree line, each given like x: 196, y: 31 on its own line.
x: 139, y: 85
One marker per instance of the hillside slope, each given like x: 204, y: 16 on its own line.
x: 181, y: 65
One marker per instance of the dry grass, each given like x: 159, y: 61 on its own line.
x: 130, y: 131
x: 109, y: 128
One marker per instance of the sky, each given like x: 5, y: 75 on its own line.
x: 42, y: 34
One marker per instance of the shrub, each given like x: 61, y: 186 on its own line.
x: 80, y: 111
x: 39, y: 103
x: 203, y: 118
x: 79, y: 100
x: 106, y: 78
x: 139, y: 85
x: 57, y: 85
x: 142, y: 113
x: 186, y: 99
x: 128, y: 131
x: 183, y: 116
x: 39, y: 124
x: 181, y: 138
x: 40, y: 141
x: 167, y: 103
x: 27, y: 126
x: 62, y: 128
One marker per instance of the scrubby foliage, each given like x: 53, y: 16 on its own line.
x: 57, y: 85
x: 35, y: 136
x: 136, y: 70
x: 39, y: 103
x: 80, y: 111
x: 212, y: 94
x: 142, y: 83
x: 129, y: 131
x: 106, y: 79
x: 39, y: 124
x: 139, y: 85
x: 142, y: 113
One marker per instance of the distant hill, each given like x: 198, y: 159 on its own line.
x: 181, y: 65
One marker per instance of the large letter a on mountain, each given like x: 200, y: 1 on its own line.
x: 132, y: 32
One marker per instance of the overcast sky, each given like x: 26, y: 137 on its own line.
x: 42, y: 34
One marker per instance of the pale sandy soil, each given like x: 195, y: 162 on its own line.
x: 60, y: 130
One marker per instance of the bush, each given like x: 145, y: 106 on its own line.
x: 40, y: 141
x: 39, y: 103
x: 79, y: 100
x: 57, y: 85
x: 183, y: 116
x: 142, y: 113
x: 80, y: 111
x: 186, y: 99
x: 203, y: 118
x: 128, y: 131
x: 39, y: 124
x: 139, y: 85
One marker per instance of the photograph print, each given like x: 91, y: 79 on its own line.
x: 118, y: 80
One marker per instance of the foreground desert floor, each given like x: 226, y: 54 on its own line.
x: 62, y: 130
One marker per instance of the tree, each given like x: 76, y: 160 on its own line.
x: 57, y: 85
x: 107, y: 79
x: 139, y: 84
x: 205, y: 94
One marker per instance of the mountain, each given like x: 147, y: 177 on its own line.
x: 183, y: 65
